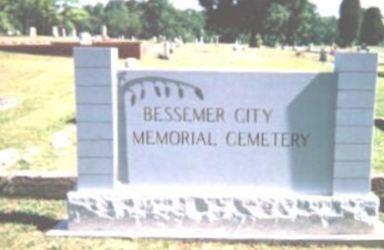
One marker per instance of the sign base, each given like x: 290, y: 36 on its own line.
x: 219, y: 212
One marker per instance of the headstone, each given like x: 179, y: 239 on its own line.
x: 323, y: 55
x: 55, y: 31
x: 85, y: 38
x: 178, y: 41
x: 172, y: 47
x: 166, y: 54
x: 223, y: 154
x: 32, y: 32
x: 104, y: 32
x: 130, y: 63
x: 63, y: 32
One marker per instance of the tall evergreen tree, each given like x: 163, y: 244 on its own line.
x: 349, y: 21
x: 372, y: 29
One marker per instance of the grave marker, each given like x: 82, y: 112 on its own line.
x: 55, y: 31
x: 32, y: 31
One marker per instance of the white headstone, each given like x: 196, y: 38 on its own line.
x: 55, y: 31
x: 167, y: 50
x: 104, y: 32
x: 32, y: 32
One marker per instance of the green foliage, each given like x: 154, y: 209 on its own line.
x: 74, y: 18
x: 122, y: 19
x: 324, y: 30
x: 276, y: 21
x: 37, y: 13
x: 349, y: 21
x: 300, y: 22
x: 143, y: 19
x: 372, y: 29
x: 162, y: 19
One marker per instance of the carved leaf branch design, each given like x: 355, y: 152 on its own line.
x: 160, y: 85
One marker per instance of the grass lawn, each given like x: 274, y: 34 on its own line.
x: 44, y: 85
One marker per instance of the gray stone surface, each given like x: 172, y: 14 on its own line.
x: 222, y: 211
x: 242, y: 138
x: 8, y: 158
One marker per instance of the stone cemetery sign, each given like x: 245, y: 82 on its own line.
x: 223, y: 154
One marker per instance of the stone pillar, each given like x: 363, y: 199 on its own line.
x: 354, y: 122
x: 63, y: 32
x: 96, y: 77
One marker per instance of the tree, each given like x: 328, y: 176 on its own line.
x: 276, y: 22
x: 372, y: 29
x: 6, y: 23
x: 231, y: 18
x: 349, y: 21
x: 120, y: 20
x: 223, y: 17
x: 38, y: 13
x: 301, y: 17
x: 253, y: 15
x: 96, y: 17
x: 75, y: 18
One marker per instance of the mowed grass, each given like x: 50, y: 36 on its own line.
x: 44, y: 86
x: 223, y: 57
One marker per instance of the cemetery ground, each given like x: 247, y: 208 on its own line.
x: 38, y: 134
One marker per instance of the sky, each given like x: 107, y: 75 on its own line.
x: 325, y: 7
